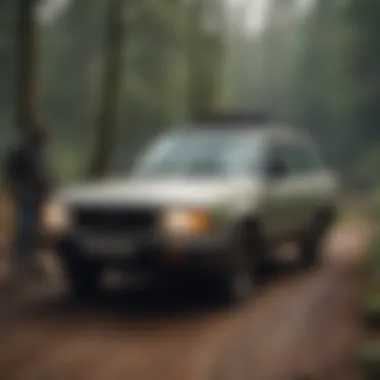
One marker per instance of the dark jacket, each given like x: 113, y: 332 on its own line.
x: 27, y: 174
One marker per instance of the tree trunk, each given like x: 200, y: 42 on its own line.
x: 84, y: 19
x: 206, y: 56
x: 27, y: 86
x: 194, y: 52
x: 108, y: 118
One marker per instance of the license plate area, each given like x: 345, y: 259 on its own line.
x: 114, y: 279
x: 108, y: 246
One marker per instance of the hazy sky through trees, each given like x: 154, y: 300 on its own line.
x: 255, y: 10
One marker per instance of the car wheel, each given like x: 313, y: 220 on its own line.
x: 311, y: 244
x: 83, y: 279
x: 240, y: 278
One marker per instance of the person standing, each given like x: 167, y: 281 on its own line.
x: 29, y: 184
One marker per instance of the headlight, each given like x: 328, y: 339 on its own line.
x: 186, y: 222
x: 56, y: 218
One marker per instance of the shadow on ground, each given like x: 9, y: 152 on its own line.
x: 152, y: 303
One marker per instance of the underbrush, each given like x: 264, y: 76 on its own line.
x: 370, y: 350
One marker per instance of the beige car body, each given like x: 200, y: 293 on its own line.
x: 283, y: 207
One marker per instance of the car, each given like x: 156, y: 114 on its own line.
x: 210, y: 201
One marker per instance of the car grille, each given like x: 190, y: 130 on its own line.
x: 138, y: 220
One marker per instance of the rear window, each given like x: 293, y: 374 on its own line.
x: 306, y: 158
x: 299, y: 158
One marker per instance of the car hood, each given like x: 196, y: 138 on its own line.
x: 155, y: 192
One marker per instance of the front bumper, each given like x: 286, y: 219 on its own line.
x: 152, y: 254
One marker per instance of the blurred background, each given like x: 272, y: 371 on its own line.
x: 310, y: 62
x: 106, y: 76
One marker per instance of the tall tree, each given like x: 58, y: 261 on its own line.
x: 8, y: 18
x: 206, y: 55
x: 155, y: 93
x: 276, y: 54
x: 84, y: 24
x: 322, y: 83
x: 364, y: 61
x: 27, y: 89
x: 108, y: 117
x: 8, y: 15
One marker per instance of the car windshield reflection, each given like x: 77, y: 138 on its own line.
x: 200, y: 154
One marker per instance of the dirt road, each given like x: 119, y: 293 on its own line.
x: 299, y: 326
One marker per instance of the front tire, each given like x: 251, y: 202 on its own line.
x: 241, y: 276
x: 83, y: 279
x: 311, y: 245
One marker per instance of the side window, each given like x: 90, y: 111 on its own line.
x: 305, y: 159
x: 295, y: 158
x: 279, y: 158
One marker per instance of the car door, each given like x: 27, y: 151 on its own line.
x: 306, y: 183
x: 283, y: 210
x: 315, y: 183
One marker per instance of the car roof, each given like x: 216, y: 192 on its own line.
x: 268, y: 132
x: 258, y: 122
x: 287, y: 133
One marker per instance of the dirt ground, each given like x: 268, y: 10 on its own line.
x: 297, y: 326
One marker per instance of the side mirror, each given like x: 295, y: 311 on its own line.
x: 277, y: 169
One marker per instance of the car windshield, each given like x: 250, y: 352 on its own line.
x: 201, y: 154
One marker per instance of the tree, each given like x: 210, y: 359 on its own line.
x: 108, y: 117
x: 364, y: 60
x: 323, y: 96
x: 8, y: 15
x: 27, y: 89
x: 277, y: 52
x: 84, y: 23
x: 207, y: 44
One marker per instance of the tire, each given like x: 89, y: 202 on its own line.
x: 310, y: 246
x: 240, y: 279
x: 83, y: 279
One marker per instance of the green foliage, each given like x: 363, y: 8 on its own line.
x: 156, y: 76
x: 369, y: 357
x: 364, y: 61
x: 69, y: 162
x: 376, y: 202
x: 371, y: 302
x: 7, y: 57
x: 374, y: 256
x: 367, y: 168
x: 317, y: 68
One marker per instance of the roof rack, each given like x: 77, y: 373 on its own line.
x: 232, y: 119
